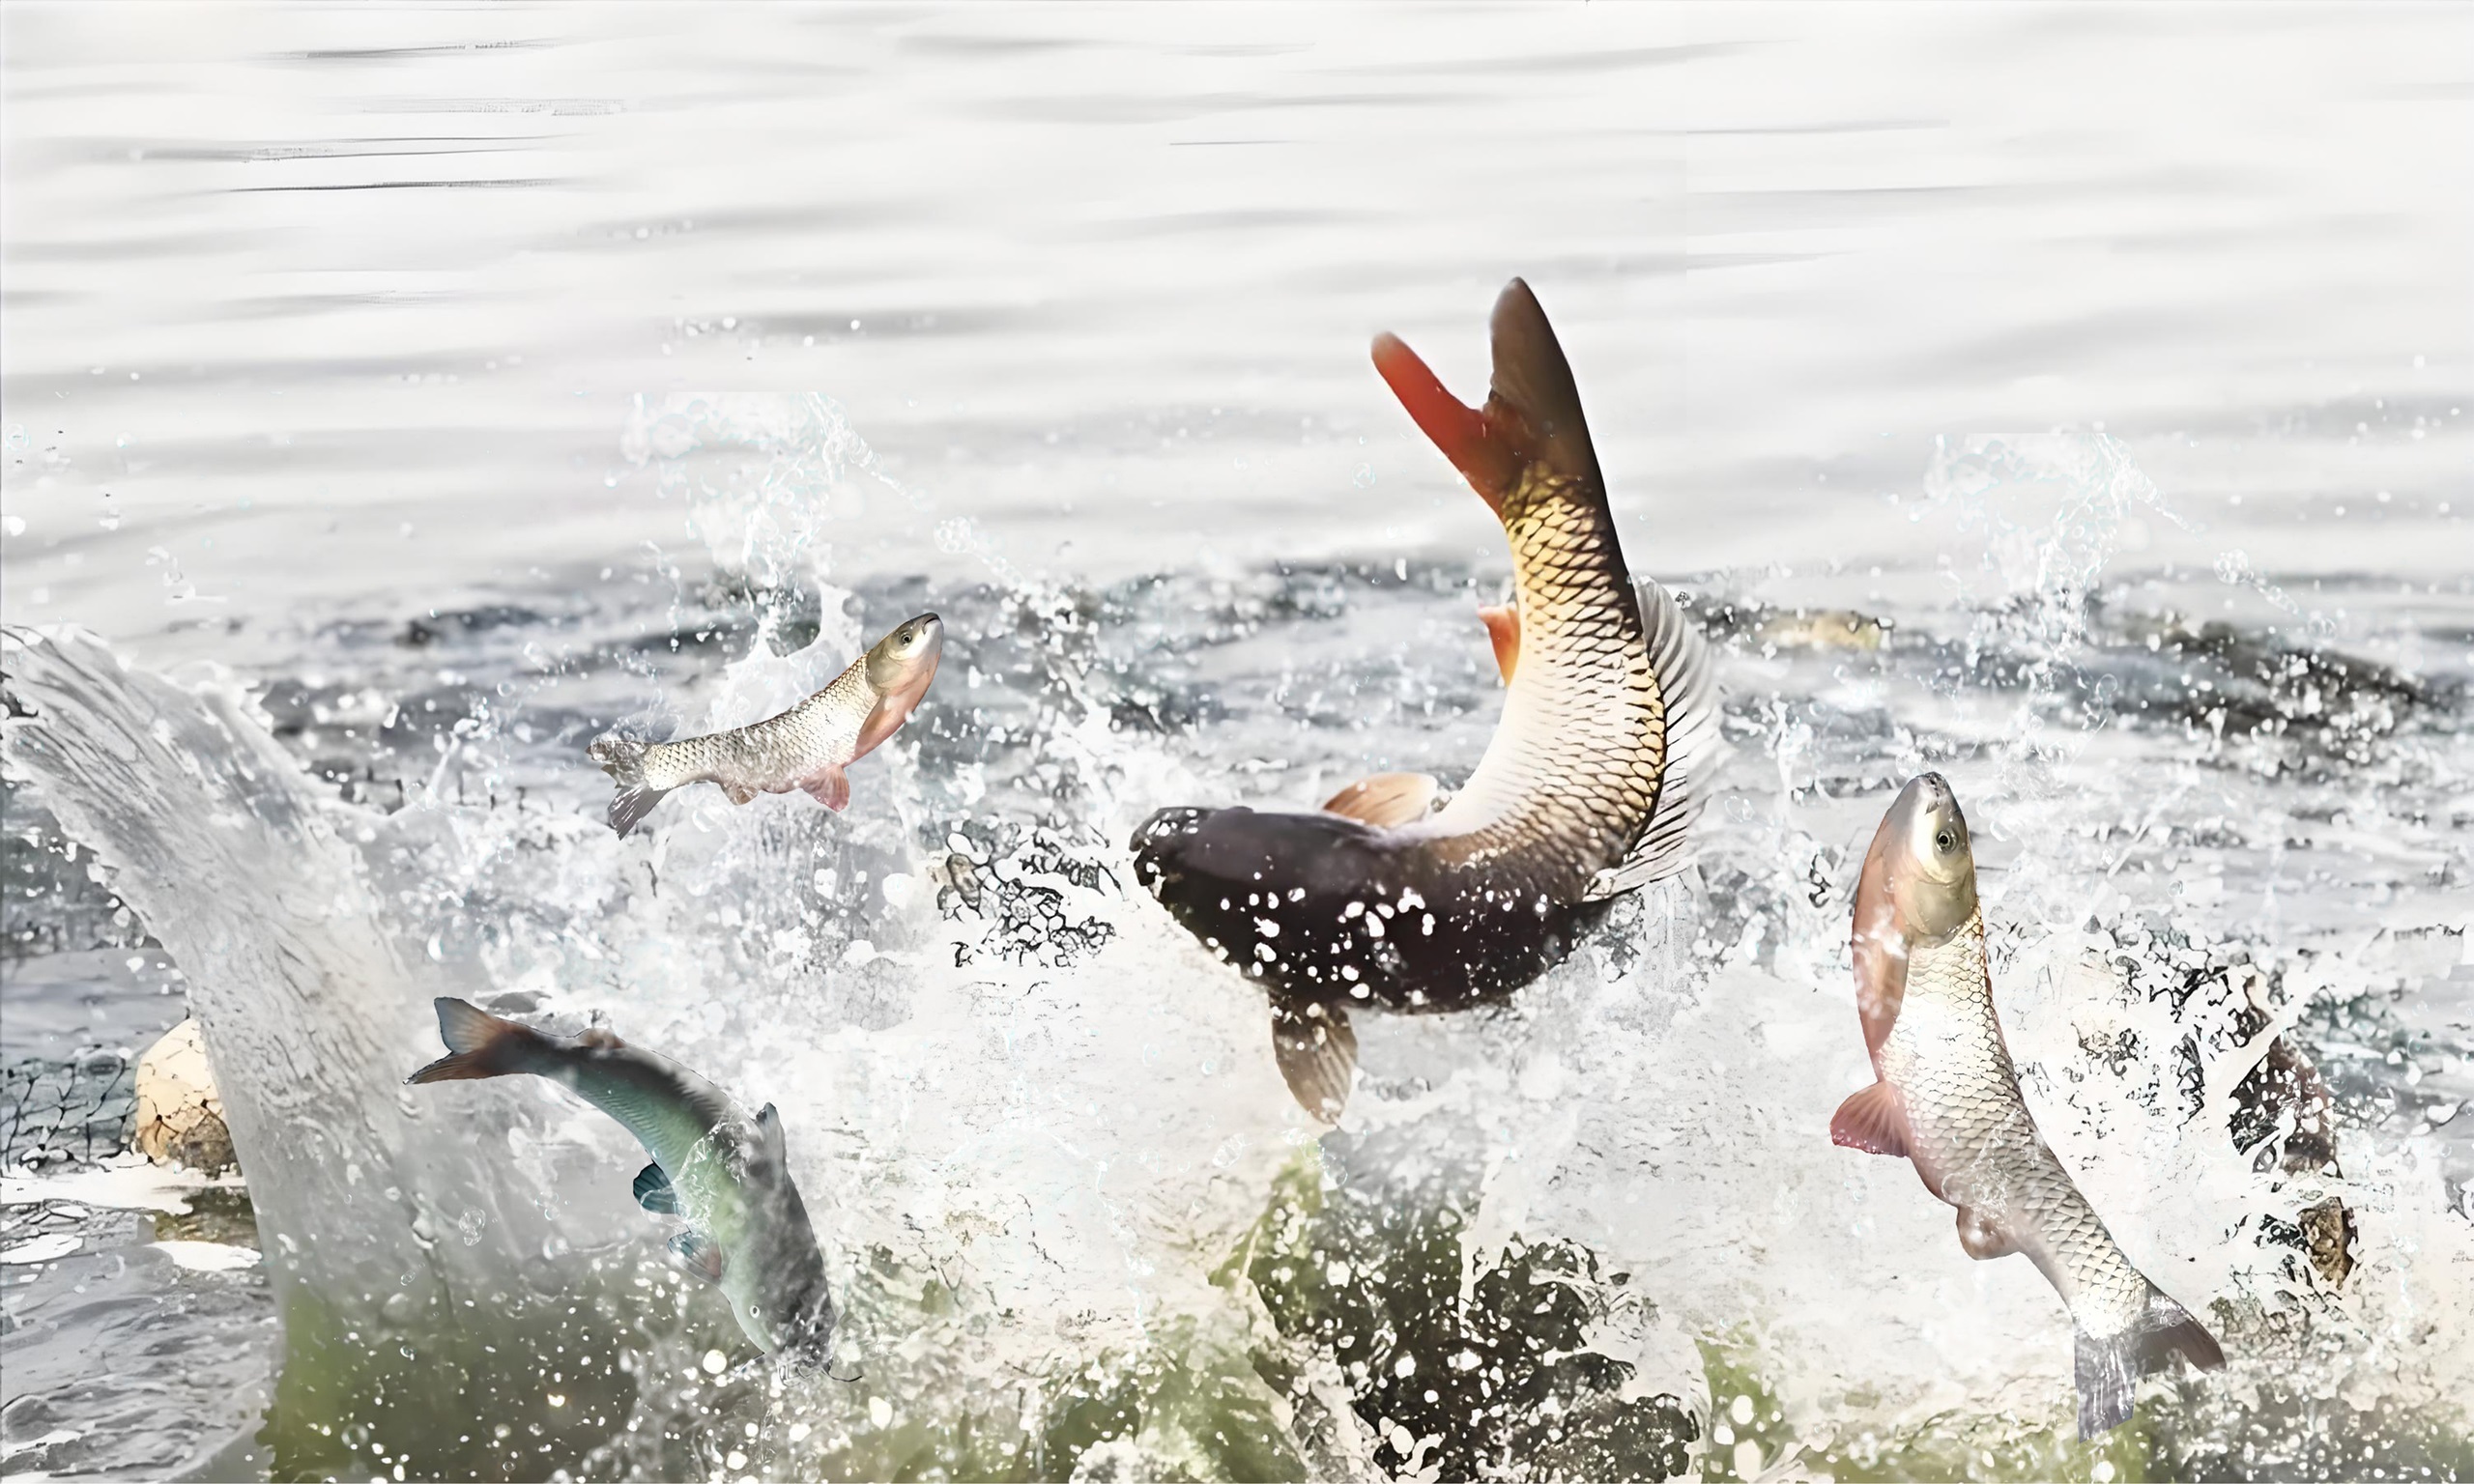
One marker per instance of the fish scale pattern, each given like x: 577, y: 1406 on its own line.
x: 773, y: 756
x: 1973, y: 1141
x: 1572, y: 776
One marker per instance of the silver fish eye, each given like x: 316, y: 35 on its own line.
x: 1947, y: 841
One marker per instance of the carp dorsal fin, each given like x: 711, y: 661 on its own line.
x: 700, y: 1255
x: 1874, y: 1121
x: 1503, y: 631
x: 1316, y: 1049
x: 1533, y: 411
x: 654, y: 1192
x: 1688, y: 673
x: 1386, y: 798
x: 1879, y: 947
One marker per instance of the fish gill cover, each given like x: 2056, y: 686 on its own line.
x: 1079, y: 1227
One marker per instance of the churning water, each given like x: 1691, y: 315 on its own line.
x: 397, y: 401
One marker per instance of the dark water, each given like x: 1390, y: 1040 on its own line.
x: 465, y: 382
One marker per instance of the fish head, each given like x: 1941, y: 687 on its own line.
x: 1927, y: 862
x: 902, y: 663
x: 794, y: 1308
x: 1219, y: 871
x: 786, y: 1304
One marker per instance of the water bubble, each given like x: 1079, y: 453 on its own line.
x: 714, y: 1360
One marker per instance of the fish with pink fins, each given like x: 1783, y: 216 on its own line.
x: 805, y: 748
x: 1947, y: 1100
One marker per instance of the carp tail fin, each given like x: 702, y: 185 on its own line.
x: 1533, y: 411
x: 479, y: 1045
x: 623, y: 759
x: 2108, y: 1368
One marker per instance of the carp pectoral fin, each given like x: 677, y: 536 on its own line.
x: 881, y: 723
x: 1982, y: 1238
x: 700, y: 1255
x: 654, y: 1192
x: 1873, y: 1121
x: 829, y: 787
x: 1316, y: 1049
x: 739, y: 793
x: 1503, y: 631
x: 1386, y: 798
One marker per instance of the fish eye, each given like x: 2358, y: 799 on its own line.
x: 1947, y: 841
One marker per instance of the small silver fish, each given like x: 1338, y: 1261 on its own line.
x: 727, y: 1174
x: 806, y: 747
x: 1948, y: 1100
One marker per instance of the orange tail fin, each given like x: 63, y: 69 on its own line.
x: 1533, y: 411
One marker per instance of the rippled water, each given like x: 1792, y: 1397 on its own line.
x: 401, y: 399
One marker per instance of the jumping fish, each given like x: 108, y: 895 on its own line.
x: 1947, y: 1099
x: 727, y: 1174
x: 806, y: 747
x: 1381, y: 898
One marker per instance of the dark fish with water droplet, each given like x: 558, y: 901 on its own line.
x: 1381, y: 898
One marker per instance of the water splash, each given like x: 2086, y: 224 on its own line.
x: 1039, y: 1130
